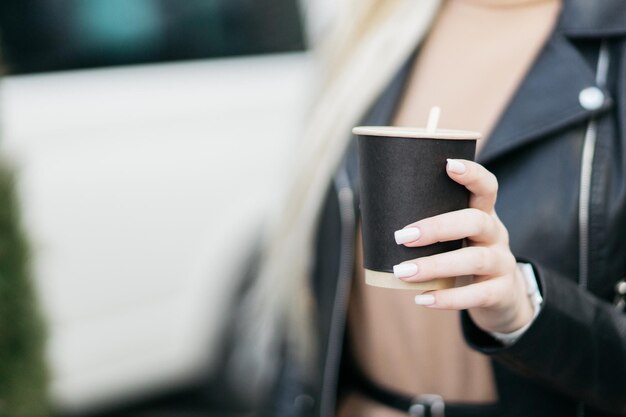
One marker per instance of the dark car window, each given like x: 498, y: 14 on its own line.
x: 52, y: 35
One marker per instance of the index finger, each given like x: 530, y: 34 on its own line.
x: 478, y: 180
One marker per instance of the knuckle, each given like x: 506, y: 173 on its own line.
x: 493, y: 183
x: 433, y: 266
x: 500, y: 229
x: 445, y: 301
x: 481, y: 261
x: 505, y: 235
x: 484, y: 221
x: 488, y: 297
x: 475, y: 180
x: 509, y: 261
x: 487, y: 182
x: 477, y: 221
x: 436, y: 227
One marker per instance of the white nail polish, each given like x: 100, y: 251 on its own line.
x: 404, y: 270
x: 406, y: 235
x: 455, y: 166
x: 424, y: 300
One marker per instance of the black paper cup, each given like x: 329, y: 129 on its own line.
x: 403, y: 179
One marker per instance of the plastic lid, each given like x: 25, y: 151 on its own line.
x: 415, y: 132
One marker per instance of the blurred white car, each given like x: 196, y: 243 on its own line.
x: 142, y: 189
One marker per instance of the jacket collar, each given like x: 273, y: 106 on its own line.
x: 546, y: 101
x: 548, y: 98
x: 593, y: 18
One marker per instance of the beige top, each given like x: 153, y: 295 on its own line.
x: 470, y: 65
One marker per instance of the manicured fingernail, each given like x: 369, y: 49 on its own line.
x: 424, y: 300
x: 406, y: 235
x: 404, y: 270
x: 456, y: 167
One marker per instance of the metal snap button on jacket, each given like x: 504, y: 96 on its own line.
x: 591, y: 98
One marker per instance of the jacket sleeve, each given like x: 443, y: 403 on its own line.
x: 577, y: 344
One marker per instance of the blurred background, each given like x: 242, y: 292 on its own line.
x: 142, y: 145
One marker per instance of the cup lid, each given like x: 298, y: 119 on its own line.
x: 415, y: 132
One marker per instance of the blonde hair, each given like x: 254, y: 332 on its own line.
x: 370, y: 41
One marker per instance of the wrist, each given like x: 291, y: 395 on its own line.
x: 514, y: 313
x: 524, y: 307
x: 535, y: 298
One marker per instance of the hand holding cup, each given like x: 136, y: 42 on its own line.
x: 496, y: 299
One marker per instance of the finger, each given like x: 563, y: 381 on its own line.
x: 471, y: 223
x: 482, y: 294
x: 478, y: 180
x: 472, y: 260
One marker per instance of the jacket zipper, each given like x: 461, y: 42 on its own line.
x: 586, y: 172
x: 347, y: 213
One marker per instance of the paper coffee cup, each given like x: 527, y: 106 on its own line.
x: 403, y: 179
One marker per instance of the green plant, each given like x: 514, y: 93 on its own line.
x: 23, y: 372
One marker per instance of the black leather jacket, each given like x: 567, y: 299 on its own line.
x: 560, y: 158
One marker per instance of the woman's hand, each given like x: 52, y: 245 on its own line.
x: 496, y: 299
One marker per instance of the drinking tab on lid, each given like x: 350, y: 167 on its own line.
x: 433, y: 119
